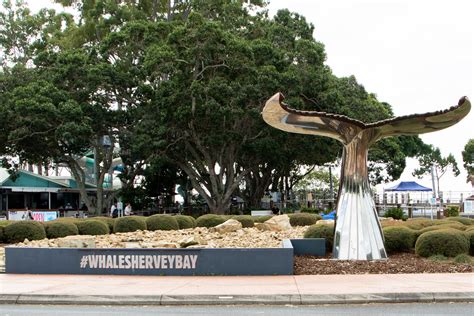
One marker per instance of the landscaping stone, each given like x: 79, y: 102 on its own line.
x: 228, y: 226
x: 79, y: 241
x: 276, y: 224
x: 191, y: 241
x: 325, y: 222
x: 242, y: 238
x: 131, y: 245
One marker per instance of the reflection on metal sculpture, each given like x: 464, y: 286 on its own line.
x: 358, y: 234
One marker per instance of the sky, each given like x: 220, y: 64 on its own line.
x: 416, y: 55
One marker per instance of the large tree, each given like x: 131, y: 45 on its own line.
x: 468, y: 158
x: 432, y: 162
x: 187, y: 80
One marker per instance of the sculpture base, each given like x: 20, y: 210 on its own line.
x: 358, y: 234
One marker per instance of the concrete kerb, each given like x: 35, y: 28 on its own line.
x: 284, y: 299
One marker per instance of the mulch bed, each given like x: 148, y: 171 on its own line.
x: 396, y: 263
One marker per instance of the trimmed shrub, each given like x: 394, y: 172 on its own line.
x: 470, y: 237
x: 463, y: 258
x: 92, y: 227
x: 441, y: 222
x: 162, y: 222
x: 438, y: 227
x: 185, y: 221
x: 109, y: 221
x: 419, y: 223
x: 209, y: 220
x: 60, y: 229
x: 455, y: 225
x: 2, y: 234
x: 321, y: 231
x: 392, y: 223
x: 399, y: 239
x: 310, y: 210
x: 6, y: 223
x: 261, y: 219
x: 68, y: 220
x: 22, y: 230
x: 245, y: 220
x: 395, y: 213
x: 303, y: 219
x: 470, y: 228
x: 129, y: 224
x: 448, y: 242
x: 452, y: 211
x: 438, y: 258
x: 462, y: 220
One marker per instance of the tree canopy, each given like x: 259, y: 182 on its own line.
x: 176, y: 81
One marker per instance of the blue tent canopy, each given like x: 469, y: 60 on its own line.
x: 408, y: 186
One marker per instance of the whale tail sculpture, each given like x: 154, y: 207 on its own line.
x: 358, y: 234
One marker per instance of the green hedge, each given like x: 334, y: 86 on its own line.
x: 453, y: 225
x: 109, y: 221
x: 322, y: 231
x: 129, y: 224
x: 462, y: 220
x: 246, y: 220
x: 463, y: 258
x: 418, y: 224
x: 185, y: 221
x: 21, y: 230
x: 448, y: 242
x: 398, y: 239
x: 60, y: 229
x: 452, y: 211
x: 6, y: 223
x: 2, y: 234
x: 209, y: 220
x: 92, y: 227
x: 261, y: 219
x: 303, y: 219
x: 470, y: 237
x: 395, y: 213
x: 162, y: 222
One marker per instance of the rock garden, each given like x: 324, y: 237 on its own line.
x: 414, y: 246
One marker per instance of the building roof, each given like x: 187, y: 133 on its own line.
x: 28, y: 180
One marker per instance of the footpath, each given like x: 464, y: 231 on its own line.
x: 233, y: 290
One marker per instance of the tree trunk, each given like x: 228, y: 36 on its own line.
x: 257, y: 185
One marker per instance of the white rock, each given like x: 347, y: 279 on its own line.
x: 84, y: 241
x: 164, y: 244
x: 131, y: 245
x: 276, y: 223
x: 191, y: 241
x: 325, y: 222
x: 228, y: 226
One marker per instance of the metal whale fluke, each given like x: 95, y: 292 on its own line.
x: 343, y: 128
x: 358, y: 233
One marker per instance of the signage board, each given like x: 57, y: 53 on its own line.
x: 40, y: 216
x: 153, y: 261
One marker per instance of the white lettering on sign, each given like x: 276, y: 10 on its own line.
x: 141, y: 262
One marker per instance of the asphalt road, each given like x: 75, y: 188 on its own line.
x: 369, y: 309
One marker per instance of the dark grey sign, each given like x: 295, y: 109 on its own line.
x: 229, y: 261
